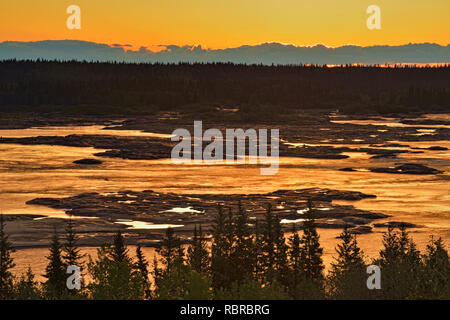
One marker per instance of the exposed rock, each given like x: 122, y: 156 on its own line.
x: 120, y: 147
x: 151, y: 206
x: 395, y: 224
x: 419, y: 122
x: 361, y: 230
x: 313, y: 152
x: 357, y: 220
x: 88, y: 161
x: 383, y: 156
x: 372, y: 215
x: 380, y: 152
x: 333, y: 224
x: 408, y: 168
x: 201, y: 208
x: 389, y: 145
x: 437, y: 148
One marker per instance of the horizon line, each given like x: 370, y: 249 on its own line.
x: 130, y: 47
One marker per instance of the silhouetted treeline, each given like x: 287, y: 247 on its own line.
x: 153, y: 87
x: 244, y: 259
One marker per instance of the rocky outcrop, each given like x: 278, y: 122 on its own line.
x: 408, y: 168
x: 361, y: 230
x: 202, y: 208
x: 437, y: 148
x: 395, y: 224
x: 120, y: 147
x: 88, y: 161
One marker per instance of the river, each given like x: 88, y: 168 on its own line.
x: 30, y: 171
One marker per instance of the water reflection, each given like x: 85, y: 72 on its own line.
x: 184, y: 210
x: 69, y: 130
x: 28, y: 172
x: 146, y: 225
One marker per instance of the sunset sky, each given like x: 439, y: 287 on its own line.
x: 227, y: 23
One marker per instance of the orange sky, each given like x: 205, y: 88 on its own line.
x: 227, y: 23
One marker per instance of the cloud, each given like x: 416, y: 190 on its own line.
x: 265, y: 53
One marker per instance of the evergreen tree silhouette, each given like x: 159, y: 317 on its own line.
x: 258, y: 246
x: 243, y: 258
x: 141, y: 267
x: 348, y: 271
x: 198, y: 256
x: 119, y: 250
x: 55, y: 271
x: 400, y: 264
x: 175, y: 280
x: 269, y: 245
x: 27, y: 287
x: 71, y: 252
x: 274, y: 256
x: 312, y: 276
x: 6, y: 263
x: 310, y: 250
x: 435, y: 281
x: 113, y: 279
x: 220, y: 251
x: 281, y: 258
x: 170, y: 250
x: 295, y: 263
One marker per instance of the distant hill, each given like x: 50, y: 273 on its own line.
x: 267, y: 53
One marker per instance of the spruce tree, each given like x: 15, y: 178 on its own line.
x: 311, y: 251
x: 156, y: 270
x: 220, y: 256
x: 55, y: 272
x: 171, y: 280
x: 274, y: 260
x: 295, y: 263
x: 435, y: 281
x: 170, y: 250
x: 400, y: 265
x: 281, y: 259
x: 269, y: 245
x: 348, y: 271
x: 230, y: 231
x: 141, y: 267
x: 242, y: 254
x: 258, y: 245
x: 312, y: 276
x: 71, y: 252
x: 198, y: 255
x: 27, y: 287
x: 114, y: 280
x: 119, y: 250
x: 6, y: 262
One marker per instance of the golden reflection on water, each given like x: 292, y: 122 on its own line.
x: 394, y: 122
x: 69, y: 130
x: 30, y: 171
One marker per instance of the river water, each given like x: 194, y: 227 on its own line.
x: 30, y: 171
